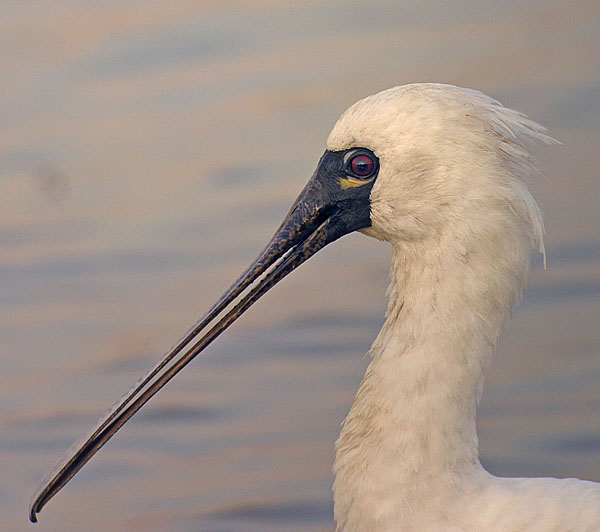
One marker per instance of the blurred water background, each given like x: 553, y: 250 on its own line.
x: 149, y: 149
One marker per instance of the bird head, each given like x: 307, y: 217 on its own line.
x: 451, y: 161
x: 407, y: 165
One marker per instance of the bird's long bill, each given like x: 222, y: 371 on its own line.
x: 316, y: 219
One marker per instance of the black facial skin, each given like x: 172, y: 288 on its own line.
x: 348, y: 209
x: 334, y: 202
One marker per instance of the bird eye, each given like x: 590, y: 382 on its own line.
x: 361, y: 165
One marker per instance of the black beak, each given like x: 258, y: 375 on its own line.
x: 333, y: 203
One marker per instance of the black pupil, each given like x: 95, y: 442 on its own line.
x: 362, y: 165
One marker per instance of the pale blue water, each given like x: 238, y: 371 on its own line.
x: 148, y: 151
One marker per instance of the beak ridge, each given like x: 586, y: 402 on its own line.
x: 307, y: 228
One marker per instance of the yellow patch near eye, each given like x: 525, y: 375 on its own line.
x: 346, y: 183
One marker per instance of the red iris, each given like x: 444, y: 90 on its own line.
x: 362, y: 165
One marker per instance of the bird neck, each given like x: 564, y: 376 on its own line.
x: 410, y: 435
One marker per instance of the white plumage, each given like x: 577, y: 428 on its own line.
x: 452, y: 201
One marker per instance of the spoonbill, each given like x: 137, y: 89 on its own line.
x: 440, y: 173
